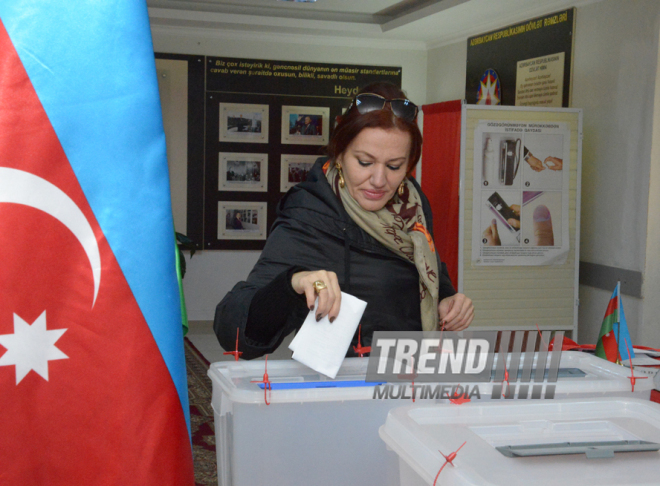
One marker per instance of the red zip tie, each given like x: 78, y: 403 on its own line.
x: 541, y: 335
x: 506, y: 371
x: 448, y: 460
x: 361, y: 350
x: 236, y: 352
x: 458, y: 401
x: 266, y: 382
x: 633, y: 379
x: 506, y: 379
x: 412, y: 376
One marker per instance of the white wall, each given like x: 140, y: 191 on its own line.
x: 211, y: 274
x: 650, y: 332
x: 614, y: 82
x: 446, y: 73
x: 614, y: 79
x: 616, y: 53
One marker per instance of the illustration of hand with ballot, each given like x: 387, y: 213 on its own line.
x: 535, y: 164
x: 553, y: 163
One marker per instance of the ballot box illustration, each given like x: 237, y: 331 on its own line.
x: 604, y: 441
x: 310, y: 429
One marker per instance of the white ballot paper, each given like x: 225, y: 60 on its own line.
x: 321, y: 345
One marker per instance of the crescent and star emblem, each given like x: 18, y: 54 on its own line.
x: 31, y: 346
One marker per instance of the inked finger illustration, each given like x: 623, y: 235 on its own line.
x: 543, y: 226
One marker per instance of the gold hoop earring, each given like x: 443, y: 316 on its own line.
x: 341, y: 175
x: 401, y: 188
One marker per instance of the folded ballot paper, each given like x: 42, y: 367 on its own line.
x: 321, y: 345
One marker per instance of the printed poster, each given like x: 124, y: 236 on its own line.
x: 521, y: 182
x: 539, y: 82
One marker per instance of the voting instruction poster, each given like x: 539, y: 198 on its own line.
x: 521, y: 180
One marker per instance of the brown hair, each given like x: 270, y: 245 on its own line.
x: 352, y: 123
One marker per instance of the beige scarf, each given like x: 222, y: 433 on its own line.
x: 401, y: 227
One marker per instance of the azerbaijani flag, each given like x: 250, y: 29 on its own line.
x: 614, y: 331
x: 92, y: 373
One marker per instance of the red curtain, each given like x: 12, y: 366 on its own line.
x: 441, y: 158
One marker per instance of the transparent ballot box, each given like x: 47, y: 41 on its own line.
x: 603, y: 441
x: 320, y: 431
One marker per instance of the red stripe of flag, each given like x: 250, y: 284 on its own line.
x: 107, y: 413
x: 612, y: 307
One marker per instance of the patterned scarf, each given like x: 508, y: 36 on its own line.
x: 401, y: 227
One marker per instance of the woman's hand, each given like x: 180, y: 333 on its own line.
x: 456, y: 312
x: 329, y: 298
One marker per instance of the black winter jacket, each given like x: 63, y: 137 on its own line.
x: 313, y: 231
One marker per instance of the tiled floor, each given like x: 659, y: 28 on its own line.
x: 203, y: 338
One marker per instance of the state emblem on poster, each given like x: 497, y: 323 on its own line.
x: 489, y: 92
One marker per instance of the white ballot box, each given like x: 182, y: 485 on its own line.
x: 324, y: 431
x: 316, y: 431
x: 603, y: 441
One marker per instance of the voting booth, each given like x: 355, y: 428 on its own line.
x: 322, y: 431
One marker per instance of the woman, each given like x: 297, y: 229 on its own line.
x: 358, y: 224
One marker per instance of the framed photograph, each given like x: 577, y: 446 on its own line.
x: 239, y: 220
x: 294, y: 169
x: 305, y: 125
x: 243, y: 123
x: 242, y: 172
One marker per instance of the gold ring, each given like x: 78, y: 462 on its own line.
x: 319, y: 285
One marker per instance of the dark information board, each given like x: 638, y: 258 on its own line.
x: 501, y: 50
x: 266, y: 122
x: 255, y: 127
x: 293, y: 78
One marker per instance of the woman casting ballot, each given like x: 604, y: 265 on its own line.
x: 359, y: 224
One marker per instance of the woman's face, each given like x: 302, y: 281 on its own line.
x: 374, y: 165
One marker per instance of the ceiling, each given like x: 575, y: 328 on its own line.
x: 416, y: 23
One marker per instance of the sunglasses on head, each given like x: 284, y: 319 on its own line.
x: 368, y: 102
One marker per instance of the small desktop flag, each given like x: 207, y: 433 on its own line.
x: 92, y: 370
x: 614, y: 331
